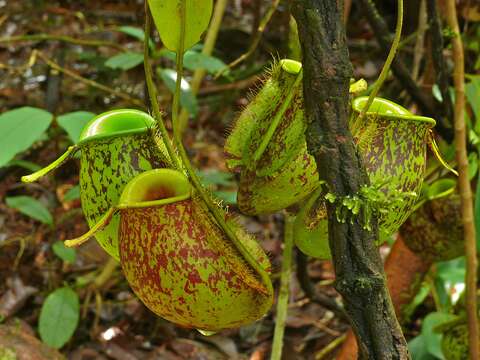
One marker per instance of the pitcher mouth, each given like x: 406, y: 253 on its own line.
x: 390, y: 110
x: 155, y: 187
x: 116, y: 123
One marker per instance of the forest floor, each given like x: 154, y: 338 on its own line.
x: 114, y: 324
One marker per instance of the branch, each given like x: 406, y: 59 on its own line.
x: 91, y: 83
x: 309, y: 290
x: 399, y: 69
x: 256, y: 39
x: 67, y: 39
x: 283, y: 293
x: 441, y: 71
x: 358, y: 267
x: 403, y: 284
x: 463, y: 181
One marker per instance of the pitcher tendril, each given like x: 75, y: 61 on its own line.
x: 152, y: 92
x: 266, y: 285
x: 388, y: 62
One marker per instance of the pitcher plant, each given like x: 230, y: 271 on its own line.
x: 114, y: 147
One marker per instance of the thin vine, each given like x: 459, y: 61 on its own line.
x: 283, y: 294
x: 388, y: 62
x: 214, y: 209
x: 152, y: 92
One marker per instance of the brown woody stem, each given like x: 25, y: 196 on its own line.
x: 463, y: 181
x: 358, y: 267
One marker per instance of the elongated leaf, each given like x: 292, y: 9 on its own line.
x: 194, y: 60
x: 59, y: 317
x: 433, y: 340
x: 125, y: 61
x: 72, y: 194
x: 30, y: 166
x: 477, y: 212
x: 74, y: 122
x: 187, y: 99
x: 472, y: 91
x: 64, y: 253
x: 19, y: 129
x: 418, y: 349
x: 230, y: 197
x: 215, y: 177
x: 166, y: 15
x: 137, y: 33
x: 30, y: 207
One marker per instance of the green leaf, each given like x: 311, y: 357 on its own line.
x: 194, y: 60
x: 472, y: 165
x: 59, y: 317
x: 19, y: 129
x: 418, y: 349
x: 214, y: 177
x: 419, y: 298
x: 74, y: 122
x: 437, y: 93
x: 230, y: 197
x: 451, y: 278
x: 30, y: 207
x: 187, y: 98
x: 125, y: 61
x: 477, y: 212
x: 166, y: 15
x: 30, y: 166
x: 64, y: 253
x: 440, y: 188
x: 72, y: 194
x: 472, y: 91
x: 137, y: 33
x: 433, y: 340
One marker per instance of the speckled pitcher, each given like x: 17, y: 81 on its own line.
x: 392, y: 142
x: 115, y: 146
x: 179, y: 262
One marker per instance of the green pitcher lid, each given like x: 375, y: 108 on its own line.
x: 115, y: 123
x: 389, y: 109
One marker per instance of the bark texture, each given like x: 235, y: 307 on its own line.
x: 464, y: 188
x: 358, y: 267
x: 403, y: 285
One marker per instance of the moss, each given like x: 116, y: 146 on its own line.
x: 455, y: 343
x: 7, y: 353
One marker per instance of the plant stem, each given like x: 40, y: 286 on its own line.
x: 91, y: 83
x: 256, y: 40
x: 283, y: 294
x: 358, y: 267
x: 152, y: 93
x: 67, y: 39
x: 420, y: 43
x: 463, y: 181
x: 208, y: 47
x: 439, y: 63
x: 388, y: 62
x: 307, y: 287
x: 107, y: 271
x: 265, y: 286
x: 403, y: 284
x: 330, y: 347
x: 399, y: 69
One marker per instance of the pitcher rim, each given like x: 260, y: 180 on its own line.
x: 407, y: 117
